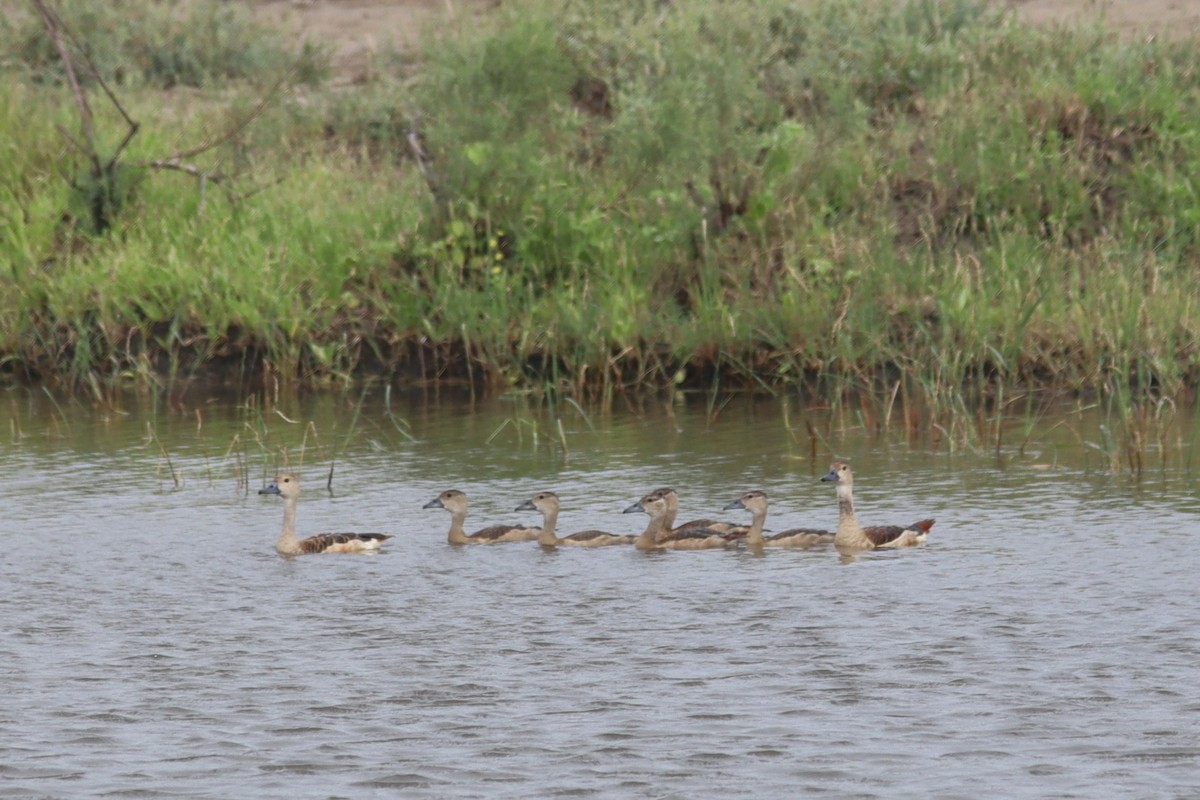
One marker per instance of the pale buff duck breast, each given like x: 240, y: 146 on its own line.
x: 853, y: 536
x: 287, y: 486
x: 455, y: 502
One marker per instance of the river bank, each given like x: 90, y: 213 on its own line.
x: 935, y: 196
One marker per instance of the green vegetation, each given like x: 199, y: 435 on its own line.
x: 158, y: 45
x: 928, y: 200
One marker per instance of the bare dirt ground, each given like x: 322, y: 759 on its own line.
x: 356, y: 29
x: 1175, y: 18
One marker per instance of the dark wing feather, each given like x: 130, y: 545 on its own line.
x: 587, y: 536
x: 884, y: 534
x: 694, y: 533
x: 497, y: 531
x: 797, y: 532
x: 323, y: 541
x: 713, y: 526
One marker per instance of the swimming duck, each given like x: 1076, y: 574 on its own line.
x: 851, y: 535
x: 756, y: 503
x: 455, y: 502
x: 287, y: 486
x: 672, y: 498
x: 548, y: 504
x: 658, y: 536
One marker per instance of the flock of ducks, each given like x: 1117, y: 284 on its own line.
x: 661, y: 505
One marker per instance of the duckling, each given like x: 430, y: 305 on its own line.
x: 287, y: 486
x: 851, y: 535
x: 672, y: 498
x: 756, y: 503
x: 455, y: 502
x: 658, y: 537
x: 548, y: 504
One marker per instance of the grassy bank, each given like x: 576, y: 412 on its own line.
x: 742, y: 194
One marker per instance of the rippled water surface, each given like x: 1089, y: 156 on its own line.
x: 1045, y: 643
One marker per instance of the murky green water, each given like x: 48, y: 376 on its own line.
x: 1046, y: 642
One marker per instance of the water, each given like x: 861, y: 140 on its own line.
x: 1045, y: 643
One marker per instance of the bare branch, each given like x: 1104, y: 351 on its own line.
x: 190, y: 169
x: 235, y: 129
x: 54, y: 28
x: 129, y: 134
x: 256, y: 189
x: 66, y: 134
x: 179, y: 161
x: 425, y: 165
x: 94, y: 72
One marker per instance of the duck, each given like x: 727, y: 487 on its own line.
x: 455, y: 502
x: 287, y: 486
x: 755, y: 502
x: 672, y: 498
x: 548, y: 504
x: 853, y: 536
x: 658, y: 536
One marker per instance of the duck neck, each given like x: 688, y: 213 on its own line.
x: 755, y: 535
x: 547, y: 536
x: 648, y: 539
x: 849, y: 532
x: 457, y: 534
x: 288, y: 544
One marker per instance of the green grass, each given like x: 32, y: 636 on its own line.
x: 162, y: 44
x: 929, y: 201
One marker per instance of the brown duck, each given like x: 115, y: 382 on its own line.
x: 548, y: 504
x: 455, y: 502
x: 853, y: 536
x: 756, y: 503
x: 287, y: 486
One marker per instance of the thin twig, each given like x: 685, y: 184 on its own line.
x: 54, y: 28
x: 251, y: 192
x: 235, y: 129
x: 78, y: 145
x: 425, y: 165
x: 62, y: 35
x: 190, y: 169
